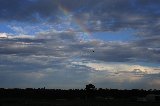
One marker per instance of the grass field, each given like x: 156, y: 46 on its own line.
x: 75, y: 102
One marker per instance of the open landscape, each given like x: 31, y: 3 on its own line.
x: 79, y: 52
x: 90, y: 96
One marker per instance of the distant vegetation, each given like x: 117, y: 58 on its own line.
x: 88, y: 95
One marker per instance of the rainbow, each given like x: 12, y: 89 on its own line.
x: 84, y: 32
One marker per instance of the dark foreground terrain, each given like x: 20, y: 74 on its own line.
x: 73, y: 102
x: 90, y: 96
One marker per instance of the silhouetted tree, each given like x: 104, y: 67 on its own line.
x: 90, y: 88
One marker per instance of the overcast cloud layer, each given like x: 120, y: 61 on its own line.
x: 39, y: 54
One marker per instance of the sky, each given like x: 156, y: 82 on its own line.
x: 70, y: 43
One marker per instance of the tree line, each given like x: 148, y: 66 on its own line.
x: 89, y: 92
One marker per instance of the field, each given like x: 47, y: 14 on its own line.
x: 72, y: 102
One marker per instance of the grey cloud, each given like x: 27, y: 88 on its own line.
x: 67, y: 45
x: 22, y: 58
x: 124, y: 52
x: 61, y: 74
x: 44, y: 44
x: 150, y: 42
x: 113, y: 14
x: 26, y: 10
x: 146, y: 81
x: 115, y: 52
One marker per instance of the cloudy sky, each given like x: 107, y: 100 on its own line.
x: 70, y: 43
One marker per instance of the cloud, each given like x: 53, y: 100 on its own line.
x: 67, y: 45
x: 26, y: 10
x: 3, y: 35
x: 120, y: 67
x: 40, y: 72
x: 149, y: 42
x: 94, y: 15
x: 54, y: 58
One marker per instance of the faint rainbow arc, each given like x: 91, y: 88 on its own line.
x: 76, y: 22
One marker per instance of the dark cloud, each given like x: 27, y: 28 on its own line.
x: 150, y: 42
x: 124, y: 52
x: 94, y: 15
x: 26, y: 10
x: 39, y: 71
x: 67, y: 45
